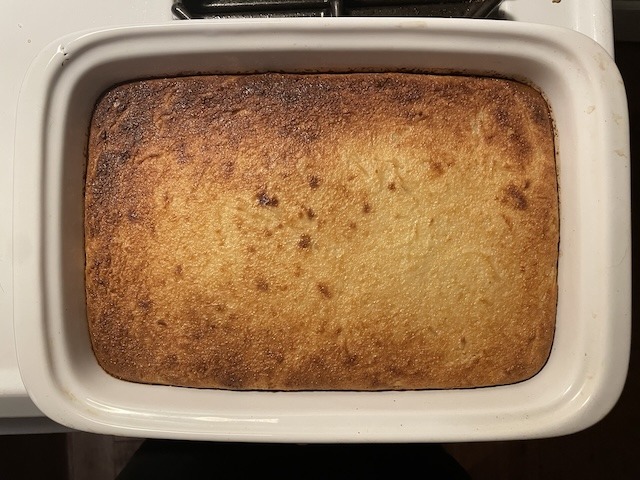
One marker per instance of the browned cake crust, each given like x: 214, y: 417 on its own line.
x: 337, y: 231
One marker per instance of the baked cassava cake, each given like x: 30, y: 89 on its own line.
x: 321, y: 232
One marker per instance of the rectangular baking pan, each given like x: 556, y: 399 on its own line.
x: 586, y: 370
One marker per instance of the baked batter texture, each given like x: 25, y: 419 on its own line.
x: 362, y: 231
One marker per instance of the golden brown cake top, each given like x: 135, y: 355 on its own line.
x: 333, y: 231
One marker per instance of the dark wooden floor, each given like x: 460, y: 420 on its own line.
x: 610, y: 449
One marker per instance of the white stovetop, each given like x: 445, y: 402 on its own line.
x: 26, y: 27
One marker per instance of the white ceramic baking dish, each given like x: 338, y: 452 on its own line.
x: 587, y: 367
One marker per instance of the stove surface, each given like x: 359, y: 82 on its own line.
x: 26, y: 27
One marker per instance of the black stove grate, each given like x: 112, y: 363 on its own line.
x: 199, y: 9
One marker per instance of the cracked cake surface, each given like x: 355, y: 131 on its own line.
x: 363, y: 231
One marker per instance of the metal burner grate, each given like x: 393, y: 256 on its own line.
x: 198, y: 9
